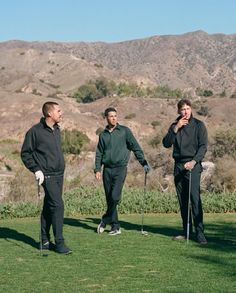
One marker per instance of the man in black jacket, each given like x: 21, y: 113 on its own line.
x: 41, y: 153
x: 188, y: 136
x: 113, y: 152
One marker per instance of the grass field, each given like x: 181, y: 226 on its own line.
x: 130, y: 262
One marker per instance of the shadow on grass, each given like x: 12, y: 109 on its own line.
x: 163, y: 230
x: 11, y: 234
x: 222, y: 241
x: 89, y: 223
x: 221, y: 236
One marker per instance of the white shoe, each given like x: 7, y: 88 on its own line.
x: 115, y: 232
x: 101, y: 227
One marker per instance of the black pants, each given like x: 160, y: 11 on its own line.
x: 53, y: 209
x: 182, y: 189
x: 113, y: 181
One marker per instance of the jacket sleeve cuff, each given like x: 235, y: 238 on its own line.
x: 194, y: 159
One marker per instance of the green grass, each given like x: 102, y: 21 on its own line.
x: 129, y: 262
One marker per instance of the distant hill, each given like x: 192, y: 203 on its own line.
x: 185, y: 61
x: 33, y: 72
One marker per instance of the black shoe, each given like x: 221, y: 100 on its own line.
x: 61, y: 248
x: 101, y: 227
x: 201, y: 239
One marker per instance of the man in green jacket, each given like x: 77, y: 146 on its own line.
x: 113, y: 152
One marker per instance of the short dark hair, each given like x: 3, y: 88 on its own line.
x: 47, y: 107
x: 183, y: 102
x: 110, y: 109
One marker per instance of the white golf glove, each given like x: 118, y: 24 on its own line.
x: 39, y: 176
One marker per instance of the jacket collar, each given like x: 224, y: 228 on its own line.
x: 117, y: 127
x: 43, y: 122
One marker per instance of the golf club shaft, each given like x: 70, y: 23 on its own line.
x: 189, y: 204
x: 144, y: 196
x: 40, y: 228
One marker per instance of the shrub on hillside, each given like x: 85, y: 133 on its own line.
x: 156, y: 140
x: 94, y: 90
x: 99, y: 88
x: 203, y: 111
x: 155, y: 123
x: 223, y: 94
x: 130, y: 116
x: 87, y: 93
x: 233, y: 96
x: 224, y: 178
x: 224, y: 143
x: 73, y: 141
x: 165, y: 92
x: 130, y: 89
x: 204, y: 92
x: 22, y: 186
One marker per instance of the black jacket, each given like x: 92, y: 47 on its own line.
x: 190, y: 142
x: 41, y: 150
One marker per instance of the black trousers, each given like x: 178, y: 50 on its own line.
x: 182, y: 189
x: 113, y: 181
x: 53, y: 209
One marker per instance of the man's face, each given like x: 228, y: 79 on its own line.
x: 185, y: 111
x: 112, y: 118
x: 55, y: 114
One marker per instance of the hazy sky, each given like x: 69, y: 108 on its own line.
x: 112, y: 20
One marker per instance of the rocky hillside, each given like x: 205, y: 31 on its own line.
x: 31, y: 73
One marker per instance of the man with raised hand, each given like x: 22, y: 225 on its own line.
x: 113, y: 152
x: 42, y: 154
x: 188, y: 136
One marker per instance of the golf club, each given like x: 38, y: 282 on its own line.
x: 189, y: 204
x: 144, y: 196
x: 40, y: 231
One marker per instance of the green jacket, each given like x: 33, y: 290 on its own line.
x: 113, y: 149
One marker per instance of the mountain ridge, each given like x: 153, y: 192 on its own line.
x: 186, y: 61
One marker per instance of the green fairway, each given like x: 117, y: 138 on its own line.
x: 130, y: 262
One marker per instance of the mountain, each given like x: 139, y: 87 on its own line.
x: 185, y: 61
x: 33, y: 72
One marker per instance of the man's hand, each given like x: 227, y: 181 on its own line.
x: 39, y: 176
x: 146, y: 168
x: 182, y: 122
x: 190, y: 165
x: 98, y: 175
